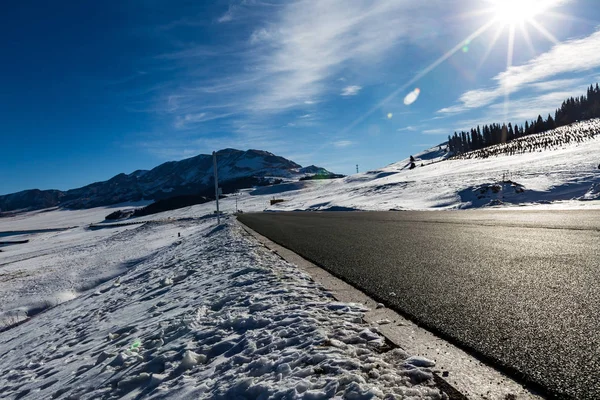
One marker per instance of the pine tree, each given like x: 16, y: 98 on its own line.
x: 539, y: 125
x: 550, y: 124
x: 487, y: 136
x: 463, y: 142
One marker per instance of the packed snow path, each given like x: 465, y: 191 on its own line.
x: 213, y: 315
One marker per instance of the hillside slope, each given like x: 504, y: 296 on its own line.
x: 565, y: 171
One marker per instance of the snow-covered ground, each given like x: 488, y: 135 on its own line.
x: 210, y: 314
x: 138, y: 310
x: 55, y: 218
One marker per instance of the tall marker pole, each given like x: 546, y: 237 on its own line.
x: 216, y: 187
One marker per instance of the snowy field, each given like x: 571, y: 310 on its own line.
x: 210, y: 314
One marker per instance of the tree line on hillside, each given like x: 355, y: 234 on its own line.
x: 560, y: 137
x: 572, y: 110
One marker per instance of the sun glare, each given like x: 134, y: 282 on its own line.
x: 512, y: 12
x: 513, y: 17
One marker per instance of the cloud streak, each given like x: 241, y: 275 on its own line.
x: 437, y: 131
x: 288, y: 64
x: 350, y: 90
x: 407, y: 128
x: 573, y: 56
x: 343, y: 143
x: 312, y: 42
x: 190, y: 120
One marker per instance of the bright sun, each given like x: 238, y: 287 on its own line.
x: 512, y: 12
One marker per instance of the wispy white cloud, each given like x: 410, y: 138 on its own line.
x: 518, y: 111
x: 189, y: 120
x: 243, y: 9
x: 558, y: 84
x: 407, y: 128
x: 288, y: 64
x: 229, y: 14
x: 310, y: 43
x: 351, y: 90
x: 343, y: 143
x: 291, y: 59
x: 573, y: 56
x: 528, y: 108
x: 436, y: 131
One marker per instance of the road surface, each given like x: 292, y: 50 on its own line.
x: 519, y: 288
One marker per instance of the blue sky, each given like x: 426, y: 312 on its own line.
x: 92, y: 89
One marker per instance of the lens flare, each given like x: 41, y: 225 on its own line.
x: 412, y: 97
x: 390, y: 115
x: 465, y: 48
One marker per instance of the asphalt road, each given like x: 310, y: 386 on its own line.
x: 519, y: 288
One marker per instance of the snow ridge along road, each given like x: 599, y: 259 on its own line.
x: 467, y: 377
x: 211, y: 315
x: 499, y: 283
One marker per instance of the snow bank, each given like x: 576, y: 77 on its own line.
x: 210, y: 315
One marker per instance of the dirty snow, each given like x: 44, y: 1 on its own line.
x: 210, y: 314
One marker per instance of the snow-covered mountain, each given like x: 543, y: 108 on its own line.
x: 313, y: 169
x: 236, y: 168
x: 32, y: 199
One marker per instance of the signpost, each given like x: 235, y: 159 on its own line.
x: 216, y: 187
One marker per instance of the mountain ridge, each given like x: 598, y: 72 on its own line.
x: 194, y: 175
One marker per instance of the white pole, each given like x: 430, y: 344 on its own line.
x: 216, y: 186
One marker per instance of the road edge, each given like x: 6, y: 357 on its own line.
x: 457, y: 373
